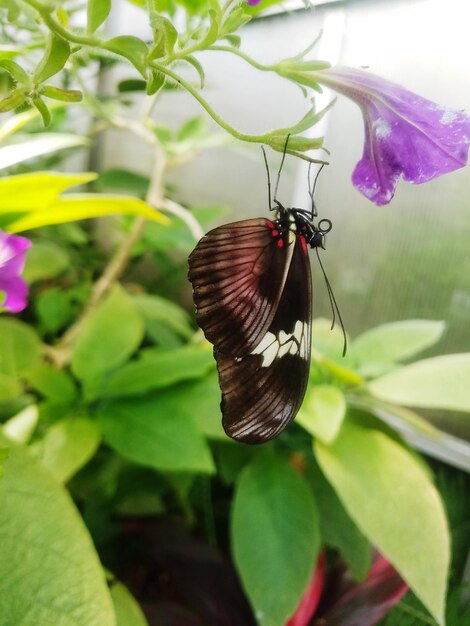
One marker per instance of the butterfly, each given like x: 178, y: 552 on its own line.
x: 252, y: 289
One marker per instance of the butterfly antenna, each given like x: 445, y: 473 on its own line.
x: 311, y: 188
x: 280, y: 168
x: 270, y: 206
x: 334, y: 305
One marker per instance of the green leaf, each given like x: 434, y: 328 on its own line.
x: 126, y: 608
x: 49, y: 571
x: 195, y: 127
x: 15, y: 70
x: 20, y: 347
x: 67, y: 446
x: 41, y: 106
x: 149, y: 432
x: 20, y: 427
x: 235, y: 20
x: 29, y: 147
x: 62, y: 95
x: 132, y: 48
x: 52, y: 383
x: 45, y: 260
x: 55, y: 57
x: 123, y: 180
x: 85, y: 206
x: 97, y: 13
x: 109, y: 336
x: 165, y: 35
x: 36, y: 191
x: 177, y: 236
x: 131, y: 84
x: 389, y: 495
x: 391, y: 343
x: 155, y: 82
x: 322, y: 412
x: 437, y: 383
x: 160, y: 311
x: 275, y: 537
x: 161, y: 369
x: 213, y: 31
x: 54, y: 310
x: 13, y: 100
x: 337, y: 528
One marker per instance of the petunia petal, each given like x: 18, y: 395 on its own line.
x: 405, y: 134
x: 12, y: 260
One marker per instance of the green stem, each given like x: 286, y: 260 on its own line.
x: 188, y: 87
x: 55, y: 26
x: 245, y: 57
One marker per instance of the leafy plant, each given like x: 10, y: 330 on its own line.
x: 112, y: 447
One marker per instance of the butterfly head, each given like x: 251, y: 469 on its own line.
x: 301, y: 221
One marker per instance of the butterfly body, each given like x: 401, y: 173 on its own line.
x: 253, y: 294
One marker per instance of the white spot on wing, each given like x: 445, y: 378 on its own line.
x: 272, y: 347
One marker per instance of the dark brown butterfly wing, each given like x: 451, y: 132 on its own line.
x: 262, y: 391
x: 253, y: 297
x: 238, y: 272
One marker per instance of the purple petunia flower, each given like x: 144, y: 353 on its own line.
x: 405, y: 135
x: 253, y: 3
x: 12, y: 260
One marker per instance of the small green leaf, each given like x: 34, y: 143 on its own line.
x: 55, y: 57
x: 52, y: 383
x: 15, y: 71
x: 275, y: 537
x: 41, y: 106
x: 132, y: 48
x: 162, y: 369
x: 213, y: 31
x: 149, y: 432
x: 155, y: 82
x: 20, y: 427
x: 126, y: 608
x: 97, y: 13
x: 45, y: 260
x: 13, y: 100
x: 235, y: 20
x: 162, y: 312
x: 54, y: 310
x: 234, y: 40
x: 389, y: 495
x: 125, y: 181
x: 193, y: 128
x: 131, y: 84
x: 165, y: 35
x: 109, y: 337
x: 67, y: 446
x: 437, y: 383
x: 20, y: 347
x: 46, y: 547
x: 322, y: 412
x: 63, y: 95
x: 395, y: 342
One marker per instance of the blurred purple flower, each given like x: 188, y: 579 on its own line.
x: 405, y: 135
x: 12, y: 260
x: 253, y: 3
